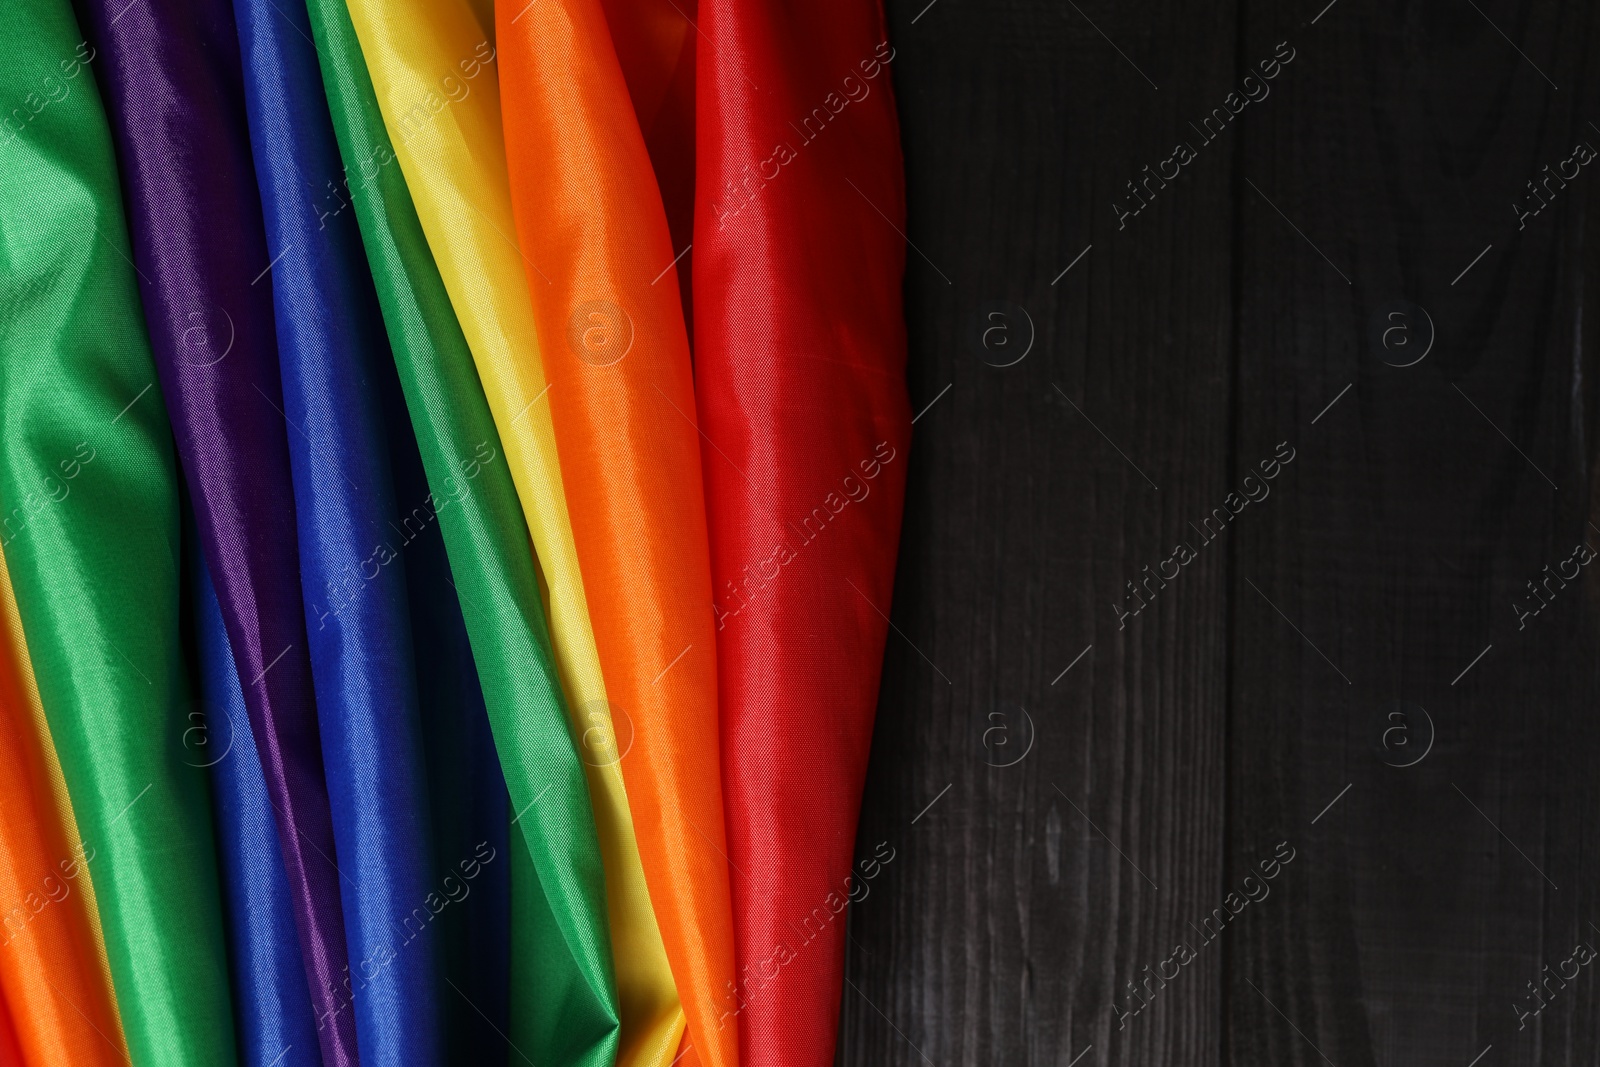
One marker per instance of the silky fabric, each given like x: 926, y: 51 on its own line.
x: 655, y: 44
x: 353, y: 535
x: 11, y: 1054
x: 611, y: 331
x: 800, y: 374
x: 563, y: 1000
x: 172, y: 74
x: 91, y: 539
x: 272, y: 1007
x: 422, y: 325
x: 53, y: 973
x: 470, y: 806
x: 451, y: 152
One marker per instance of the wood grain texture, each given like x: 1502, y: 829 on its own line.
x: 1194, y: 340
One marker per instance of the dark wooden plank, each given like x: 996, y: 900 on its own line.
x: 1024, y: 899
x: 1391, y: 551
x: 1250, y: 710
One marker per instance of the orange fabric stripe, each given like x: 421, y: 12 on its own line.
x: 610, y: 323
x: 53, y: 969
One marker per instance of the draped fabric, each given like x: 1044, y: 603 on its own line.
x: 497, y: 684
x: 610, y: 326
x: 272, y: 1006
x: 172, y: 74
x: 354, y: 538
x: 471, y: 810
x: 53, y: 975
x: 655, y: 45
x: 800, y: 376
x: 91, y: 541
x: 562, y: 1003
x: 10, y: 1045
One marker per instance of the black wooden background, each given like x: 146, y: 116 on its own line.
x: 1355, y: 667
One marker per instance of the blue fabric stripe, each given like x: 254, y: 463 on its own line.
x: 353, y: 536
x: 272, y: 1013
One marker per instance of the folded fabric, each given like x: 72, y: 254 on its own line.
x: 272, y: 1006
x: 471, y: 809
x: 10, y: 1044
x: 60, y: 1011
x: 91, y: 540
x: 655, y: 42
x: 172, y: 76
x: 800, y: 373
x: 610, y: 328
x: 563, y: 1003
x: 354, y: 535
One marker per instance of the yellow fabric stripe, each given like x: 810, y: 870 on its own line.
x: 432, y: 66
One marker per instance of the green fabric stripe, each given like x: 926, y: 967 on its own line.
x: 564, y: 1003
x: 91, y: 535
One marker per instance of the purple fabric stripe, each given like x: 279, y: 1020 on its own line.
x: 170, y: 71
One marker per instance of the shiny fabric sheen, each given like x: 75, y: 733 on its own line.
x: 800, y: 373
x: 470, y: 806
x: 91, y: 539
x: 591, y: 223
x: 53, y: 972
x: 272, y: 1006
x: 563, y: 1004
x: 172, y: 75
x: 354, y: 536
x: 655, y: 44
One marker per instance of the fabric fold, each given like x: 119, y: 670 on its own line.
x: 655, y: 45
x: 601, y: 279
x: 272, y: 1006
x: 470, y: 806
x: 354, y: 539
x: 172, y: 75
x: 53, y: 974
x: 10, y: 1043
x: 563, y: 1003
x: 800, y: 375
x: 91, y: 541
